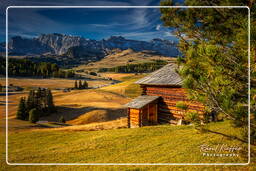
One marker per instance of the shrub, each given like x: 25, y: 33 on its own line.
x: 34, y: 115
x: 181, y: 105
x: 192, y: 117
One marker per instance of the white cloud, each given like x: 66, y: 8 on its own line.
x: 158, y: 26
x: 168, y: 34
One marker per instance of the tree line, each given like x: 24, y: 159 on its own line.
x: 38, y: 103
x: 25, y: 67
x: 136, y: 68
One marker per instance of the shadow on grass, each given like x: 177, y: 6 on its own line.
x: 71, y: 113
x: 227, y: 136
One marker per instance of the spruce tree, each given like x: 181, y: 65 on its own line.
x: 76, y: 86
x: 31, y: 100
x: 80, y: 86
x: 50, y: 104
x: 22, y: 112
x: 85, y: 84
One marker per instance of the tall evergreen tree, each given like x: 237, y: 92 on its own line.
x: 22, y: 112
x: 76, y: 86
x: 85, y: 84
x: 80, y: 86
x: 215, y: 45
x: 31, y: 100
x: 50, y: 104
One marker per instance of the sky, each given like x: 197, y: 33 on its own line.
x: 96, y: 23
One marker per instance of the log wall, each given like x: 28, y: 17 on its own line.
x: 167, y: 109
x: 134, y: 118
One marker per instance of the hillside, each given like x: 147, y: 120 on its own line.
x: 123, y: 57
x: 155, y: 144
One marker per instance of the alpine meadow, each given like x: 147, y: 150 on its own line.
x: 149, y: 85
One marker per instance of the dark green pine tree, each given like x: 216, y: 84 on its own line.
x: 76, y: 86
x: 34, y: 115
x: 215, y: 48
x: 22, y: 111
x: 31, y: 100
x: 80, y: 86
x: 50, y: 105
x: 85, y: 84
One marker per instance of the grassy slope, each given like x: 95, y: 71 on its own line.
x: 123, y: 58
x: 162, y: 143
x: 127, y: 86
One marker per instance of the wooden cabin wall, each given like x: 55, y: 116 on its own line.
x: 134, y: 118
x: 167, y: 109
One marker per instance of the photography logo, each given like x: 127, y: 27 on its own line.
x: 220, y: 150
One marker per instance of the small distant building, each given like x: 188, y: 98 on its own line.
x: 161, y: 91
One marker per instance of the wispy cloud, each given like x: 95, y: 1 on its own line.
x: 158, y: 26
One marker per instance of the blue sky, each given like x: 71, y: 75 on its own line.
x: 139, y: 24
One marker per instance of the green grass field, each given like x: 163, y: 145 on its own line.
x: 155, y: 144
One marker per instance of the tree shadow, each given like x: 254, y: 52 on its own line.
x: 228, y: 136
x: 71, y: 113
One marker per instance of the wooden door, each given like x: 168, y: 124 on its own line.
x: 152, y: 113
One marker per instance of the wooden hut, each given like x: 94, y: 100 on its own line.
x: 162, y: 90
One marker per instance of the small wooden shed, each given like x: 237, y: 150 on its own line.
x: 142, y: 111
x: 164, y: 88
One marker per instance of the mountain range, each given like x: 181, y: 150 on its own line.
x: 75, y: 46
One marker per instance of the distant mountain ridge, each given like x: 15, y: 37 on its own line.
x: 60, y: 44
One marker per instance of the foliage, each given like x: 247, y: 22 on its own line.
x: 214, y: 43
x: 136, y: 68
x: 76, y: 85
x: 81, y: 85
x: 41, y: 100
x: 25, y: 67
x: 34, y: 115
x: 181, y: 105
x: 192, y: 117
x: 22, y: 112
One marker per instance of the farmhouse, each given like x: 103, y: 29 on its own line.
x: 161, y: 92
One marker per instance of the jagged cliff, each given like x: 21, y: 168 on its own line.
x: 60, y: 44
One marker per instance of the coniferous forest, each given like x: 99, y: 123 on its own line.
x: 136, y: 68
x: 25, y: 67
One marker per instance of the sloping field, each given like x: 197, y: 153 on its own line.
x: 73, y: 106
x: 155, y: 144
x: 124, y: 57
x: 49, y: 83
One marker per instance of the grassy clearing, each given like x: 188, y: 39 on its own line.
x: 163, y: 143
x: 52, y: 83
x: 127, y: 86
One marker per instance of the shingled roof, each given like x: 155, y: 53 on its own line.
x: 141, y: 101
x: 166, y: 75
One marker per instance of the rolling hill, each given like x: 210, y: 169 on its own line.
x: 119, y: 57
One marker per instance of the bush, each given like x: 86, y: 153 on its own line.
x: 34, y: 115
x: 62, y: 120
x: 181, y: 105
x: 192, y: 117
